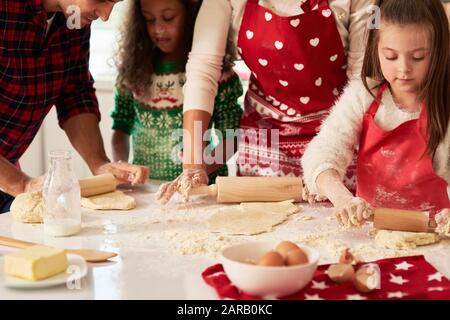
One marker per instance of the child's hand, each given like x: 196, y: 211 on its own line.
x: 354, y: 212
x: 443, y: 221
x: 310, y: 197
x: 190, y: 178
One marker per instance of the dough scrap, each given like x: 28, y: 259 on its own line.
x: 251, y: 218
x: 402, y: 240
x: 28, y: 208
x: 116, y: 200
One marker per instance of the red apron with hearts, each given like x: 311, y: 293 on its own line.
x: 298, y: 68
x: 394, y: 170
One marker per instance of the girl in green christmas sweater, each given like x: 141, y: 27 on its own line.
x: 154, y: 46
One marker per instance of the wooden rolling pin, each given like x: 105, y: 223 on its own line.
x: 403, y: 220
x: 100, y: 184
x: 253, y: 189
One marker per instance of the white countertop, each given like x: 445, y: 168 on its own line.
x: 163, y: 250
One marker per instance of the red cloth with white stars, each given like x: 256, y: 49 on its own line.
x: 405, y: 278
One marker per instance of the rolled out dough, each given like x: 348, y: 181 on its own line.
x: 402, y: 240
x: 27, y: 208
x: 116, y: 200
x: 251, y: 218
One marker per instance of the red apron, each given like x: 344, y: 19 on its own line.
x: 298, y: 68
x: 394, y: 170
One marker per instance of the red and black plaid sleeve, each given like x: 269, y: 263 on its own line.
x: 38, y: 72
x: 79, y: 94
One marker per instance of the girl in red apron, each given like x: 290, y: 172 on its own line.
x: 395, y: 165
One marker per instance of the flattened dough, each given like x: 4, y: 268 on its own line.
x: 116, y: 200
x: 402, y: 240
x: 27, y: 208
x: 251, y: 218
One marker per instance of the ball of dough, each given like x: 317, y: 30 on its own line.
x: 27, y: 208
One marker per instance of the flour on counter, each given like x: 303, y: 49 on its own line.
x: 203, y: 243
x: 181, y: 229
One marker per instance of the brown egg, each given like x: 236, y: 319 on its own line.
x: 285, y: 246
x: 271, y: 258
x: 366, y: 279
x: 341, y: 272
x: 295, y: 257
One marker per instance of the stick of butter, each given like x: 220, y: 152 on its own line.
x: 36, y: 263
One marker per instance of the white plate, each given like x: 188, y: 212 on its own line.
x: 76, y: 271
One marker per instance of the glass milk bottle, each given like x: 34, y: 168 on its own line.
x: 62, y: 201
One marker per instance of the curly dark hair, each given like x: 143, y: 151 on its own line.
x: 136, y: 55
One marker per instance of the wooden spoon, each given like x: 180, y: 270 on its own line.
x: 88, y: 255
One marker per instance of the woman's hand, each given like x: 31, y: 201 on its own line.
x: 188, y: 179
x: 353, y: 211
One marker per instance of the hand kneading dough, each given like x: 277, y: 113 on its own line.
x: 445, y: 230
x: 403, y: 240
x: 27, y: 208
x: 116, y: 200
x: 251, y: 218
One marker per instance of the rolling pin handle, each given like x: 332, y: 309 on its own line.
x: 210, y: 190
x: 432, y: 225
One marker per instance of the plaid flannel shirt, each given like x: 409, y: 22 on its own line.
x: 38, y: 72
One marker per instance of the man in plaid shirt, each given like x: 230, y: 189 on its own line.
x: 44, y: 55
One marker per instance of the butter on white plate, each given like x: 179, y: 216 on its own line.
x: 41, y: 266
x: 36, y: 263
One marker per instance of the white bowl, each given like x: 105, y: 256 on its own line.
x: 264, y: 281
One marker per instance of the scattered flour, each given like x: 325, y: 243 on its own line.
x: 183, y: 230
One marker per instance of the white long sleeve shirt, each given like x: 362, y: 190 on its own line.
x: 334, y: 145
x: 217, y: 17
